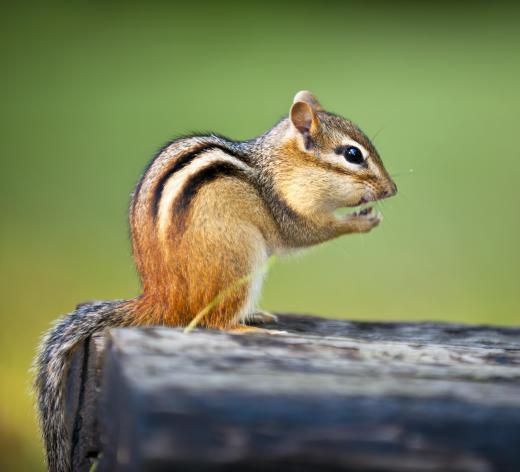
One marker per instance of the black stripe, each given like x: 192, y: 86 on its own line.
x: 207, y: 136
x: 194, y: 184
x: 179, y: 164
x: 145, y: 171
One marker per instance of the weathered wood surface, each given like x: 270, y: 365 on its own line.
x: 329, y: 395
x: 83, y: 388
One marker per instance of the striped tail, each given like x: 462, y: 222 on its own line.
x: 51, y: 365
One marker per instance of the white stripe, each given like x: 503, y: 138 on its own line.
x: 255, y: 286
x: 175, y: 183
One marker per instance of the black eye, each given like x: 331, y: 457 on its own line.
x: 353, y: 155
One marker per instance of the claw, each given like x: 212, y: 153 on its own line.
x: 363, y: 212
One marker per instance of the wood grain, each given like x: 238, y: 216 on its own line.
x: 328, y: 395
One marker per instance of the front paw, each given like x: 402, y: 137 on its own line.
x: 362, y: 221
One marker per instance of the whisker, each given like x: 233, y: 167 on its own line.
x: 376, y: 133
x: 380, y: 205
x: 404, y: 172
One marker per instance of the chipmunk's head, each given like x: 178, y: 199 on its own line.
x: 332, y: 163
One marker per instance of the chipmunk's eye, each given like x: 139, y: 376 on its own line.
x: 353, y: 155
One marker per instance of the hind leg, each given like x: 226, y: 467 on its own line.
x: 261, y: 317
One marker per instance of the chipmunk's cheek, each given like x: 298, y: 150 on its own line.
x: 351, y: 197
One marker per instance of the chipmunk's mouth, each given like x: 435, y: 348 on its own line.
x: 362, y: 209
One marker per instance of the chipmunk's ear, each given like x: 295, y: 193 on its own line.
x: 304, y: 120
x: 308, y: 97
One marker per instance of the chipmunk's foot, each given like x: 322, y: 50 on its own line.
x: 261, y: 317
x: 243, y: 329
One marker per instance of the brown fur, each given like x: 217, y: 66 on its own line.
x: 207, y: 212
x: 215, y: 249
x: 218, y: 229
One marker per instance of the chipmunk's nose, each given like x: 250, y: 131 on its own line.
x: 390, y: 190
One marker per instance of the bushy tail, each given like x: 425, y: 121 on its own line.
x: 51, y: 365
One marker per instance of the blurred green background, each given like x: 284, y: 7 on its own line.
x: 90, y: 90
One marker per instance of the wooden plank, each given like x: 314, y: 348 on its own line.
x: 330, y: 395
x: 82, y: 395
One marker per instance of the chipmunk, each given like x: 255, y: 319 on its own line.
x: 208, y: 211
